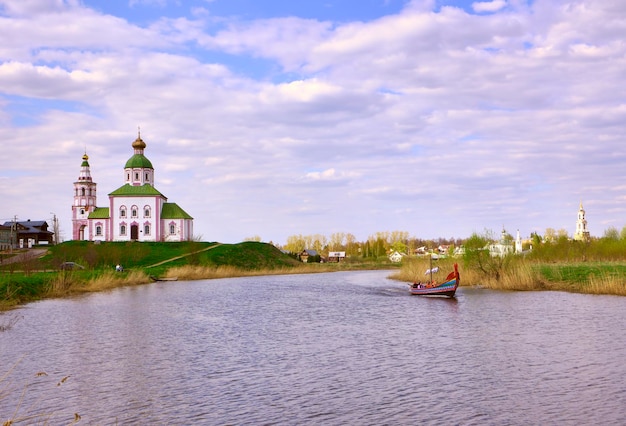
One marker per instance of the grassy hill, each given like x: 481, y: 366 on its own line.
x: 135, y: 255
x: 37, y: 278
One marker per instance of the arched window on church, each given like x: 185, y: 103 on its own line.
x: 146, y: 230
x: 172, y: 229
x: 147, y: 178
x: 82, y: 190
x: 123, y: 211
x: 146, y: 211
x: 133, y: 211
x: 122, y: 229
x: 98, y: 230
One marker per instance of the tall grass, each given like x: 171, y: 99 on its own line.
x: 200, y: 272
x: 605, y: 284
x: 64, y: 284
x: 414, y: 269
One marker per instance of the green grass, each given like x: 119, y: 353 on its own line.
x: 578, y: 274
x: 248, y: 256
x: 39, y: 278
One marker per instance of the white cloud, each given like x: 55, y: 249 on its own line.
x: 489, y: 6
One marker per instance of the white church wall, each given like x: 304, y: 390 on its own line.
x: 134, y: 216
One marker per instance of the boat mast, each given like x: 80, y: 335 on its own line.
x: 431, y: 268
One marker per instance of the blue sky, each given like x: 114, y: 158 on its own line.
x: 438, y: 118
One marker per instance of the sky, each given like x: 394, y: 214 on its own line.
x: 266, y: 118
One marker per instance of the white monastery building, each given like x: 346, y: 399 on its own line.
x: 136, y: 211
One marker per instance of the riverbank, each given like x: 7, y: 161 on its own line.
x: 37, y: 278
x: 584, y: 277
x: 20, y: 289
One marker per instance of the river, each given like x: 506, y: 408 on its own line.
x: 335, y: 349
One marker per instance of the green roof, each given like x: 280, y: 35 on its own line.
x: 138, y: 161
x: 137, y: 191
x: 173, y: 211
x: 99, y: 213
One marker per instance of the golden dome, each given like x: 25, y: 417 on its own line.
x: 139, y: 143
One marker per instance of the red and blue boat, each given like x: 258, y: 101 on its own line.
x: 433, y: 288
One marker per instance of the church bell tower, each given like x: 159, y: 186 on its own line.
x: 84, y: 200
x: 582, y: 234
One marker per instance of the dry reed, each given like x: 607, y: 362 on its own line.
x: 110, y: 279
x: 605, y: 284
x: 191, y: 272
x: 67, y: 284
x: 414, y: 269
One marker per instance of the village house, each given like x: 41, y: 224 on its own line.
x: 5, y: 237
x: 306, y: 254
x: 336, y: 256
x: 396, y: 256
x: 25, y: 234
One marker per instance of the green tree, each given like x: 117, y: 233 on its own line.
x: 399, y: 246
x: 478, y: 256
x: 611, y: 233
x: 295, y: 244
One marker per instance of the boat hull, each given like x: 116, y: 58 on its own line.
x: 435, y: 291
x: 446, y: 289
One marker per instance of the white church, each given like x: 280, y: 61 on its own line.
x: 136, y: 211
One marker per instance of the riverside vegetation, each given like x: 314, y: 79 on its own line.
x: 593, y: 267
x: 38, y: 278
x: 596, y: 267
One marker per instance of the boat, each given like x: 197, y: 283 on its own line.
x: 153, y: 278
x: 433, y: 288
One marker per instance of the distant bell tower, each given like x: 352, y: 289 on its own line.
x: 84, y: 200
x: 582, y: 234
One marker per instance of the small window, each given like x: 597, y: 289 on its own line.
x: 147, y: 176
x: 134, y: 213
x: 172, y: 229
x: 82, y: 211
x: 122, y: 229
x: 99, y: 230
x: 122, y: 212
x: 82, y: 190
x: 136, y: 176
x: 146, y: 230
x: 127, y: 176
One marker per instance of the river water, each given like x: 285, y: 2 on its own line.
x: 335, y: 349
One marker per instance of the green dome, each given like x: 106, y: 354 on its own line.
x: 138, y: 161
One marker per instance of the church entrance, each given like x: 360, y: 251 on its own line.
x: 81, y: 232
x: 134, y: 232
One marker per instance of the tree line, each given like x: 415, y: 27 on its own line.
x: 552, y: 244
x: 376, y: 245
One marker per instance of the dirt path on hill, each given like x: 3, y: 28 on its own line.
x: 184, y: 255
x: 24, y: 256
